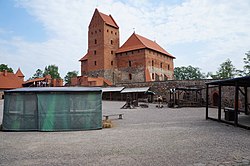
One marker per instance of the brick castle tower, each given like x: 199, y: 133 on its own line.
x: 106, y: 63
x: 103, y: 41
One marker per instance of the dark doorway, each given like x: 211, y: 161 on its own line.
x: 215, y: 99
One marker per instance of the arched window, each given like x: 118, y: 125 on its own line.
x: 130, y: 76
x: 129, y: 63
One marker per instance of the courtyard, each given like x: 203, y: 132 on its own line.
x: 145, y: 136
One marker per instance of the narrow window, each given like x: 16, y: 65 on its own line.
x: 132, y: 52
x: 111, y: 32
x: 115, y: 33
x: 152, y: 62
x: 168, y: 67
x: 111, y: 41
x: 95, y: 63
x: 95, y: 41
x: 129, y: 63
x: 126, y: 53
x: 130, y: 76
x: 153, y: 76
x: 111, y: 63
x: 94, y: 52
x: 112, y: 52
x: 107, y: 30
x: 95, y: 31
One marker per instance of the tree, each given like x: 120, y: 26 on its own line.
x: 246, y: 67
x: 38, y: 74
x: 70, y: 75
x: 226, y: 70
x: 5, y: 67
x: 52, y: 70
x: 188, y: 73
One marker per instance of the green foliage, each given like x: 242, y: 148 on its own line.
x: 5, y: 67
x: 246, y: 67
x: 70, y: 75
x: 52, y: 70
x: 38, y: 74
x: 226, y: 70
x: 188, y: 73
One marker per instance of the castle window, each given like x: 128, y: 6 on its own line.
x: 115, y: 33
x: 107, y: 30
x: 153, y: 76
x: 111, y: 63
x: 111, y: 41
x: 94, y: 52
x: 129, y: 63
x: 112, y: 52
x: 111, y: 32
x: 152, y: 62
x: 95, y: 63
x: 168, y: 67
x: 130, y: 76
x: 95, y: 41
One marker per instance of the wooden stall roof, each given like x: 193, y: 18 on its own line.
x: 112, y: 89
x: 241, y: 81
x: 189, y: 88
x: 135, y: 90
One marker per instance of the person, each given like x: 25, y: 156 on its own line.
x: 159, y: 101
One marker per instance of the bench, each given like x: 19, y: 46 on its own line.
x: 107, y: 116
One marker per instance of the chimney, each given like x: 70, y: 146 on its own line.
x: 5, y: 72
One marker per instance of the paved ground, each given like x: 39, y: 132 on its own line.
x: 144, y: 137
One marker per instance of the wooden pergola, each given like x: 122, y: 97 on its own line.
x: 241, y: 85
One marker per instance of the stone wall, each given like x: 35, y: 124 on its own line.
x: 163, y: 88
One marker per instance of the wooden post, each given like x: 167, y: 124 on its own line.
x: 219, y: 104
x: 236, y: 104
x: 246, y: 100
x: 207, y: 101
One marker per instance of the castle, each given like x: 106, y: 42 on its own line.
x: 106, y: 63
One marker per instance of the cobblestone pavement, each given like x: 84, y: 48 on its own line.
x: 145, y: 136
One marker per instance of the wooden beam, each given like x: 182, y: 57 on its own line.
x: 207, y: 101
x: 236, y: 104
x: 242, y: 92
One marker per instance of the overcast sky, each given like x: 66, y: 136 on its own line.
x: 201, y: 33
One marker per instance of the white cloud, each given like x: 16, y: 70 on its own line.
x: 222, y: 25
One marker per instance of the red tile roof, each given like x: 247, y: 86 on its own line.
x: 9, y: 81
x: 19, y: 73
x: 108, y: 19
x: 34, y: 80
x: 136, y: 42
x: 85, y: 57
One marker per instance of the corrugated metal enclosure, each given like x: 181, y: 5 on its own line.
x: 52, y: 109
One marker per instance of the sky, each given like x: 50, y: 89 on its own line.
x: 201, y: 33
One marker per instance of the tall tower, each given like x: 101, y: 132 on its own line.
x: 103, y: 42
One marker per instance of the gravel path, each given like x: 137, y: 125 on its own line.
x: 146, y: 136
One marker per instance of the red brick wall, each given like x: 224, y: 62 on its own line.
x: 162, y: 66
